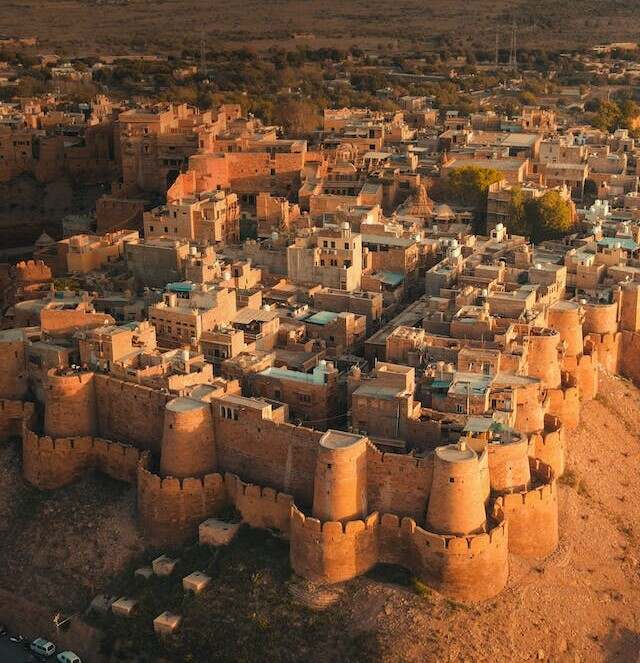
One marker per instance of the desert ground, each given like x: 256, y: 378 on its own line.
x: 114, y: 26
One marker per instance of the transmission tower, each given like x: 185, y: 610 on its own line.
x: 513, y: 53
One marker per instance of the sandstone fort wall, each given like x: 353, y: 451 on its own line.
x: 533, y: 515
x: 398, y: 484
x: 549, y: 445
x: 50, y: 463
x: 130, y: 412
x: 13, y: 414
x: 260, y: 507
x: 170, y: 510
x: 261, y: 451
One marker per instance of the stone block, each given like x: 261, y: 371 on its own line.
x: 125, y: 607
x: 214, y: 532
x: 195, y: 582
x: 144, y: 572
x: 163, y: 565
x: 166, y: 623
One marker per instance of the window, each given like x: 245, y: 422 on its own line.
x: 304, y: 398
x: 346, y: 245
x: 150, y: 229
x: 166, y: 229
x: 460, y: 408
x: 321, y: 263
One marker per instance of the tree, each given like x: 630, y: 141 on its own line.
x: 547, y: 217
x: 469, y: 185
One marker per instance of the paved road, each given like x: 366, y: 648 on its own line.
x: 12, y: 652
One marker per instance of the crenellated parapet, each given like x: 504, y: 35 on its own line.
x: 50, y: 463
x: 549, y: 445
x: 259, y: 506
x: 170, y: 509
x: 533, y: 514
x: 564, y: 402
x: 608, y: 347
x: 333, y: 551
x: 469, y: 568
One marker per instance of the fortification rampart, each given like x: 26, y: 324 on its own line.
x: 13, y: 415
x: 170, y: 510
x: 14, y: 375
x: 398, y: 484
x: 333, y: 551
x: 268, y: 453
x: 584, y: 370
x: 130, y: 412
x: 564, y: 403
x: 608, y: 348
x: 630, y: 356
x: 470, y: 568
x: 50, y: 463
x: 549, y: 445
x: 260, y: 507
x: 533, y: 515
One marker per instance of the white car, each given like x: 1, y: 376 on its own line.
x: 68, y: 657
x: 43, y: 647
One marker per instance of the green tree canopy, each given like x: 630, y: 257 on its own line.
x: 469, y: 185
x: 547, y: 217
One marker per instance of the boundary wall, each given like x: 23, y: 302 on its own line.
x: 471, y: 568
x: 533, y: 515
x: 13, y: 415
x: 170, y: 510
x: 549, y: 446
x: 50, y: 463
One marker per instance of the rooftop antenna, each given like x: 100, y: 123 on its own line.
x: 513, y: 55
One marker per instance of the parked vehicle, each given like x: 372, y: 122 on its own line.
x: 3, y: 629
x: 43, y: 647
x: 68, y: 657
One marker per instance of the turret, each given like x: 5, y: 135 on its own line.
x: 566, y: 318
x: 340, y: 485
x: 600, y: 318
x: 509, y: 465
x: 543, y: 356
x: 188, y: 448
x: 457, y: 502
x: 70, y: 403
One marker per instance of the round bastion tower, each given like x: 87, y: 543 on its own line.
x: 188, y: 448
x: 13, y: 374
x: 457, y: 500
x: 340, y: 484
x: 543, y: 356
x: 70, y: 403
x: 509, y: 466
x: 566, y: 318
